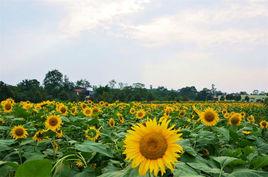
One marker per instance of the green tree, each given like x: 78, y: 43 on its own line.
x: 30, y: 90
x: 53, y: 84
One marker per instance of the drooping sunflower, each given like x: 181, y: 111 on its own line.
x: 209, y: 117
x: 88, y: 112
x: 111, y: 122
x: 140, y: 114
x: 73, y: 110
x: 235, y: 119
x: 264, y: 124
x: 19, y: 132
x: 92, y: 133
x: 39, y: 135
x: 53, y: 122
x: 152, y: 146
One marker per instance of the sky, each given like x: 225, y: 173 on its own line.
x: 170, y: 43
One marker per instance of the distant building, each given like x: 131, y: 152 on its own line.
x: 81, y: 91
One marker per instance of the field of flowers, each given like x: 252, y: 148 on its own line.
x: 86, y: 139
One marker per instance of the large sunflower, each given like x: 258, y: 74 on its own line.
x: 209, y: 117
x: 235, y: 119
x: 19, y: 132
x: 53, y: 122
x: 152, y: 146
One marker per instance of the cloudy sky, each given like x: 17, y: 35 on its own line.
x: 171, y: 43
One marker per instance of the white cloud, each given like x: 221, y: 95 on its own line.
x: 206, y: 26
x: 85, y: 15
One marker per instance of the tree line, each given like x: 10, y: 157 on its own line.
x: 57, y: 86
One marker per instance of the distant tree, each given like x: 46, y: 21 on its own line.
x: 188, y: 93
x: 30, y: 90
x: 53, y: 83
x: 83, y: 83
x: 6, y: 91
x: 204, y: 95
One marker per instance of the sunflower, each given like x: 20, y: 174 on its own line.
x: 59, y: 133
x: 73, y: 110
x: 132, y: 111
x: 209, y: 117
x: 121, y: 118
x: 152, y: 147
x: 62, y: 109
x: 243, y: 114
x: 111, y: 122
x: 140, y: 114
x: 7, y: 106
x: 235, y: 119
x: 182, y: 113
x: 251, y: 119
x: 39, y: 135
x: 19, y: 132
x: 88, y: 112
x: 53, y: 122
x: 224, y: 111
x: 92, y: 133
x: 264, y: 124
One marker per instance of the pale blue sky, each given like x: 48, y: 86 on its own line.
x: 171, y: 43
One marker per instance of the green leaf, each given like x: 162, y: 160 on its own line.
x: 90, y: 146
x: 204, y: 167
x: 224, y: 132
x: 224, y: 160
x: 247, y: 173
x: 260, y: 162
x: 182, y: 169
x: 34, y: 168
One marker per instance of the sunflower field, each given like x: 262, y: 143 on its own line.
x: 87, y: 139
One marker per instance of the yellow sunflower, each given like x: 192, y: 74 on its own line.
x: 251, y: 119
x: 182, y: 113
x: 92, y: 133
x: 88, y: 112
x: 7, y: 106
x: 264, y: 124
x: 111, y: 122
x: 73, y: 110
x: 132, y: 111
x: 53, y: 122
x: 209, y: 117
x: 19, y: 132
x: 62, y: 109
x: 152, y: 147
x: 140, y: 114
x: 235, y: 119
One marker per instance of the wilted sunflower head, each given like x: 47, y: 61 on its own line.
x: 264, y: 124
x: 209, y: 117
x: 39, y: 135
x: 235, y: 119
x: 152, y: 146
x: 53, y: 122
x: 92, y: 133
x: 19, y: 132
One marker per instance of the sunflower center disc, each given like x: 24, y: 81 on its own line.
x: 234, y: 120
x: 209, y: 116
x: 19, y: 132
x: 153, y: 146
x: 8, y: 106
x: 63, y: 110
x: 53, y: 122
